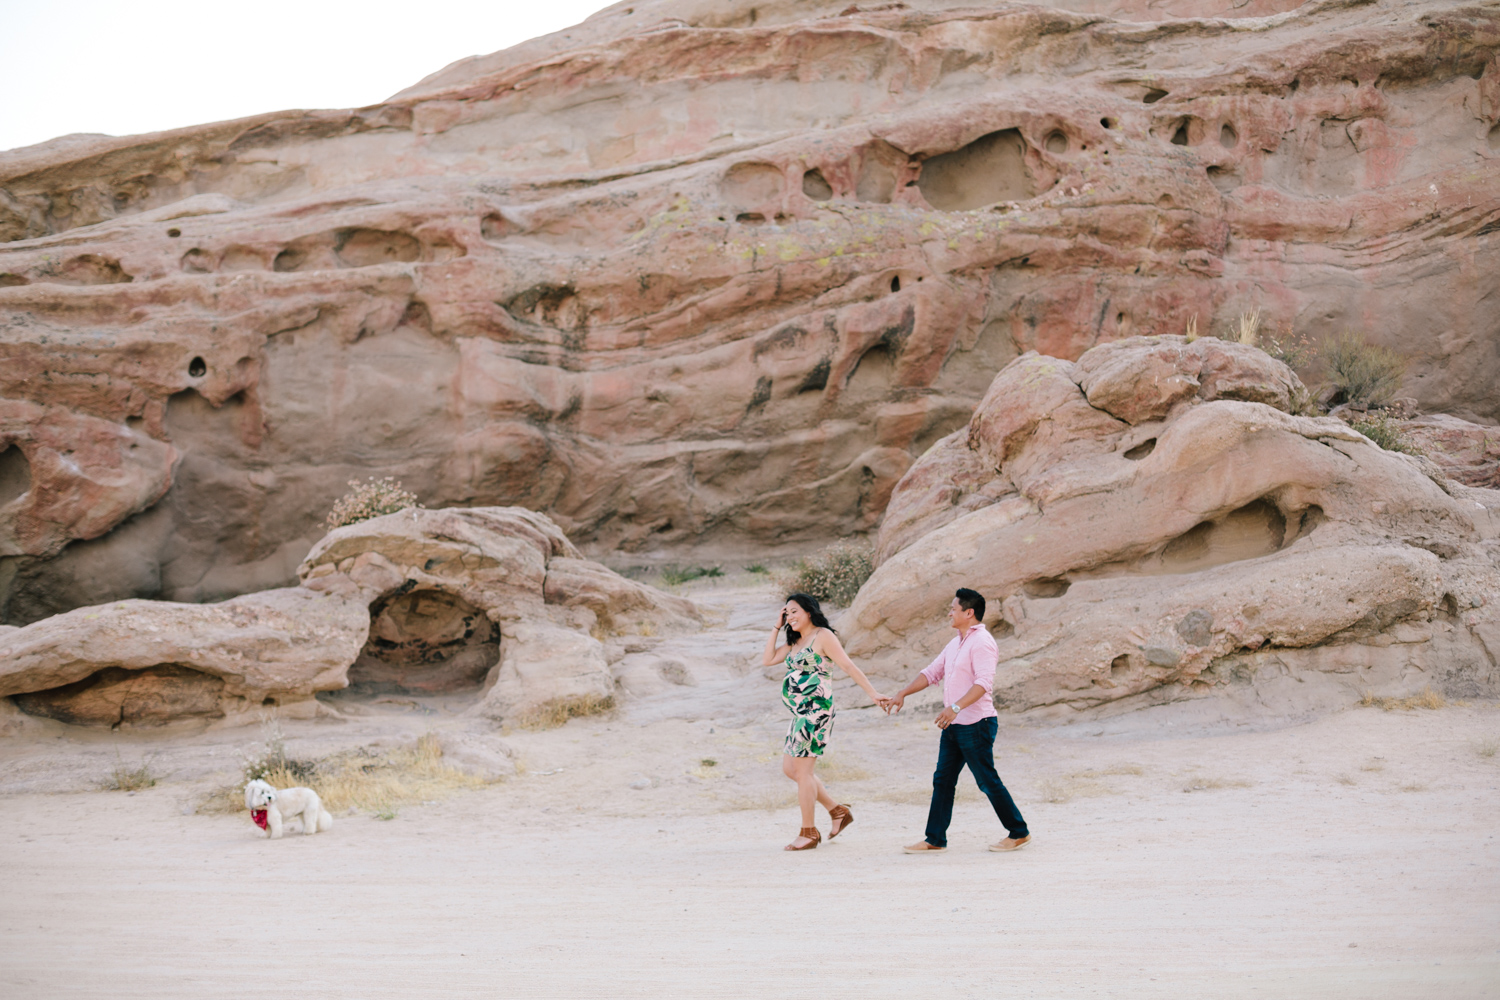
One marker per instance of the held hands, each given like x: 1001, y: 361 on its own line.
x: 891, y: 704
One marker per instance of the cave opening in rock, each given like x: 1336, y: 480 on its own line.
x: 871, y: 377
x: 197, y: 368
x: 1153, y: 95
x: 816, y: 186
x: 116, y: 697
x: 1180, y: 136
x: 1228, y: 137
x: 990, y: 169
x: 896, y: 283
x: 1141, y: 450
x: 1256, y: 529
x: 425, y: 642
x: 15, y: 474
x: 1056, y: 142
x: 1046, y: 587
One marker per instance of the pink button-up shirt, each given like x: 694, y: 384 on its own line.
x: 967, y: 660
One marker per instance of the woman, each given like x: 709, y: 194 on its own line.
x: 808, y: 692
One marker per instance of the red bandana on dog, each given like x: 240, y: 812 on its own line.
x: 259, y: 815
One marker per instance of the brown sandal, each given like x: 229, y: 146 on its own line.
x: 809, y: 832
x: 841, y: 815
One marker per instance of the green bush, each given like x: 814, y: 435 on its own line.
x: 372, y: 498
x: 834, y: 574
x: 1386, y: 433
x: 673, y: 575
x: 1362, y: 374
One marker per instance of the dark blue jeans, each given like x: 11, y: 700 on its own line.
x: 973, y: 745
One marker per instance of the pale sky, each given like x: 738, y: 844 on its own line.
x: 123, y: 68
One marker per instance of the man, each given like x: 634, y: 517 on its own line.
x: 967, y: 670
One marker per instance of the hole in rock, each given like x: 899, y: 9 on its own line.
x: 1046, y: 587
x: 15, y: 474
x: 1056, y: 142
x: 174, y: 232
x: 118, y: 697
x: 1256, y: 529
x: 751, y: 185
x: 91, y: 269
x: 197, y: 368
x: 1228, y: 137
x: 750, y: 217
x: 1294, y: 85
x: 1494, y: 137
x: 288, y: 260
x: 556, y: 306
x: 817, y: 379
x: 896, y: 283
x: 8, y: 280
x: 1180, y: 136
x: 1108, y: 122
x: 197, y: 261
x: 1119, y: 666
x: 1307, y: 522
x: 369, y: 247
x: 238, y: 258
x: 816, y: 186
x: 495, y: 227
x: 876, y: 182
x: 425, y: 642
x: 1449, y: 606
x: 1224, y: 179
x: 871, y: 377
x: 1141, y: 450
x: 1153, y: 95
x: 1165, y: 201
x: 991, y: 168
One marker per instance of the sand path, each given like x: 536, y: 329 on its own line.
x: 1354, y: 856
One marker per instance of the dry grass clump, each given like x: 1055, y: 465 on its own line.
x: 1362, y: 374
x: 1197, y: 784
x: 372, y: 498
x: 125, y: 778
x: 1427, y: 699
x: 833, y: 574
x: 554, y: 713
x: 1248, y: 331
x: 837, y: 768
x: 1385, y: 432
x: 363, y: 779
x: 1344, y: 779
x: 674, y: 576
x: 1487, y: 748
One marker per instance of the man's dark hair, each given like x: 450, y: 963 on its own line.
x: 973, y: 600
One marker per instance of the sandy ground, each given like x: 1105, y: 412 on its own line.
x: 1352, y: 856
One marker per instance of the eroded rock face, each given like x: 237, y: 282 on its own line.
x: 1171, y: 538
x: 143, y: 663
x: 491, y: 597
x: 715, y: 273
x: 492, y: 601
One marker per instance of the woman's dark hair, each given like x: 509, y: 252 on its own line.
x: 809, y: 604
x: 972, y: 600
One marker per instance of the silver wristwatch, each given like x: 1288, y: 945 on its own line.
x: 955, y: 708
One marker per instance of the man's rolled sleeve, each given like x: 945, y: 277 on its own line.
x: 934, y: 671
x: 983, y: 659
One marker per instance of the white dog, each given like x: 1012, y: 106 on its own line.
x: 270, y: 808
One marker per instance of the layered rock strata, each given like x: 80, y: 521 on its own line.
x: 1151, y: 523
x: 709, y: 274
x: 493, y: 603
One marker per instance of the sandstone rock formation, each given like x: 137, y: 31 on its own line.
x: 490, y: 601
x: 709, y: 273
x: 1150, y: 523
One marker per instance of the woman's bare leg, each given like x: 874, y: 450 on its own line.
x: 800, y: 770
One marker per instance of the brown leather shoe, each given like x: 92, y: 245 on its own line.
x: 808, y: 833
x: 922, y: 847
x: 841, y: 817
x: 1011, y: 845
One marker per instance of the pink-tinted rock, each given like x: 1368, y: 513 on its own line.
x: 1236, y: 538
x: 714, y: 274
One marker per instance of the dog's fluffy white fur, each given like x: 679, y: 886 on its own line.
x: 287, y: 803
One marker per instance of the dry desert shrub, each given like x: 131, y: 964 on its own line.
x: 125, y: 778
x: 1362, y: 374
x: 1199, y: 784
x: 674, y: 576
x: 1487, y: 748
x: 554, y: 713
x: 1248, y: 331
x: 833, y: 574
x: 372, y: 498
x: 1428, y: 698
x: 1385, y: 432
x: 1344, y: 779
x: 361, y: 779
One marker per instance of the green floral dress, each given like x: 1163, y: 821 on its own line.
x: 808, y: 692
